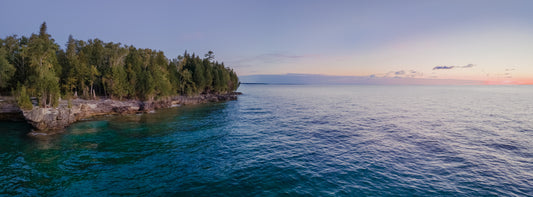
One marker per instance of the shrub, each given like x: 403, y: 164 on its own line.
x: 23, y: 99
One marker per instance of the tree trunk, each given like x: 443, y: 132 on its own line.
x: 91, y: 91
x: 43, y: 101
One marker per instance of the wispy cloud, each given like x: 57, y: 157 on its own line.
x: 452, y: 67
x: 400, y: 74
x: 467, y: 66
x: 507, y: 74
x: 443, y: 67
x: 504, y: 75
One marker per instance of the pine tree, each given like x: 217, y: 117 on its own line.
x: 42, y: 53
x: 95, y: 67
x: 7, y: 70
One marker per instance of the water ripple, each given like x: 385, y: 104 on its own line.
x: 293, y: 141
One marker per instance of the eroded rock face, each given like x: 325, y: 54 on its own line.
x: 10, y: 111
x: 49, y: 120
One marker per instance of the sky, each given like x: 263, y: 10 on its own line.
x: 483, y: 40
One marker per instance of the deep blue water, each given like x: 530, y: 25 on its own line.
x: 291, y: 140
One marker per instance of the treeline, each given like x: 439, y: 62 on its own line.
x: 37, y: 67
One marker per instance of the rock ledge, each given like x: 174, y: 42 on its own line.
x: 51, y: 120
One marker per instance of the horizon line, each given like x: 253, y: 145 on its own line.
x: 288, y: 78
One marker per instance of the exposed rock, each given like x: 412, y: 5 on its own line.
x: 9, y: 110
x: 121, y: 109
x: 50, y: 120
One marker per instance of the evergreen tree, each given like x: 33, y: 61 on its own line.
x: 7, y: 70
x: 16, y: 55
x: 94, y: 67
x: 71, y: 64
x: 42, y: 54
x: 22, y: 98
x: 208, y: 75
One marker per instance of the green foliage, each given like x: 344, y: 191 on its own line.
x: 22, y: 98
x: 7, y: 70
x: 44, y: 68
x: 118, y: 82
x: 93, y: 67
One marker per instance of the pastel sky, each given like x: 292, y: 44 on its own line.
x: 490, y: 41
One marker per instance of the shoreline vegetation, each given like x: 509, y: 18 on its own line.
x: 54, y: 87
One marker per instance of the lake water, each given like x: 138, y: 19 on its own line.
x: 291, y: 140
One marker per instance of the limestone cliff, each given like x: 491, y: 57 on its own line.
x: 9, y: 109
x: 48, y: 120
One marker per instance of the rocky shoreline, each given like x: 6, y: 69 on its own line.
x: 51, y: 120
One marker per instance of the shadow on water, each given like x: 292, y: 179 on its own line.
x: 12, y: 133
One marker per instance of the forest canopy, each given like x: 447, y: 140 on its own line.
x: 37, y: 67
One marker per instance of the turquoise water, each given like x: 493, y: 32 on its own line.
x: 291, y: 140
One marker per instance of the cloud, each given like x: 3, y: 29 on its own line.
x: 401, y: 72
x: 468, y: 66
x: 504, y: 75
x: 452, y: 67
x: 507, y: 75
x: 443, y: 67
x: 414, y: 73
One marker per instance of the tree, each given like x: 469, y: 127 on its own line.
x: 198, y: 75
x: 173, y: 76
x: 15, y: 55
x: 115, y: 78
x: 71, y: 66
x: 95, y: 67
x: 210, y: 56
x: 208, y: 75
x: 22, y: 98
x: 188, y: 87
x: 7, y: 70
x: 160, y: 74
x: 42, y: 53
x: 92, y: 77
x: 118, y: 82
